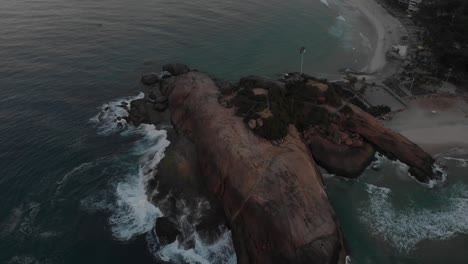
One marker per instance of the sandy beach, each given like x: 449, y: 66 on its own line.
x: 437, y: 123
x: 389, y: 31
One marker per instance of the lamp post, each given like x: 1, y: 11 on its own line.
x: 448, y: 75
x: 411, y: 86
x: 302, y: 50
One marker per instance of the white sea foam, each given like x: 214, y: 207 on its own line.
x: 404, y: 227
x: 106, y: 119
x: 454, y: 152
x: 440, y: 171
x: 365, y: 42
x: 218, y: 252
x: 188, y: 214
x: 133, y: 214
x: 27, y: 225
x: 340, y: 17
x: 74, y: 171
x: 24, y: 259
x: 460, y: 162
x: 325, y: 2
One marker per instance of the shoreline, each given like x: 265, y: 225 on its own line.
x: 389, y: 31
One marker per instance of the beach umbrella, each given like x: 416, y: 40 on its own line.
x: 302, y: 50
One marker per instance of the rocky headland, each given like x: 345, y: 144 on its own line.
x: 256, y: 145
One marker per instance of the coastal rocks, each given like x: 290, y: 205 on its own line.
x: 272, y: 196
x: 252, y: 123
x: 166, y: 230
x: 261, y: 82
x: 150, y: 78
x: 341, y: 159
x: 144, y: 111
x: 341, y: 153
x: 392, y: 144
x: 176, y: 68
x: 320, y: 86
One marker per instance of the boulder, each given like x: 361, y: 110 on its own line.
x: 143, y: 111
x: 348, y: 142
x: 340, y: 159
x: 259, y: 122
x: 152, y: 96
x: 150, y: 78
x: 176, y: 68
x: 390, y: 143
x: 166, y: 230
x: 322, y: 87
x: 160, y: 99
x: 252, y: 124
x: 160, y: 107
x: 261, y: 82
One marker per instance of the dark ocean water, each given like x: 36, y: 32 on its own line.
x: 73, y: 191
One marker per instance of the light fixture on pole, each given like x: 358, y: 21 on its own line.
x: 302, y: 50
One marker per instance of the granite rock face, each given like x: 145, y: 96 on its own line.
x: 390, y: 143
x: 272, y: 195
x: 272, y: 192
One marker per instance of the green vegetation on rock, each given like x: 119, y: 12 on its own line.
x: 298, y: 104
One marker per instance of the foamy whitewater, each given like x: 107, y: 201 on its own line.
x: 404, y: 227
x: 132, y: 214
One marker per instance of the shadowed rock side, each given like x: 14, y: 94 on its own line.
x: 341, y: 136
x: 391, y: 143
x: 272, y: 195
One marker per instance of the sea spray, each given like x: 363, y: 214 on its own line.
x: 403, y: 228
x: 107, y: 120
x: 132, y: 214
x: 214, y: 252
x: 192, y: 245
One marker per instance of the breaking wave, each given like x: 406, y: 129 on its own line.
x: 405, y: 227
x: 132, y: 214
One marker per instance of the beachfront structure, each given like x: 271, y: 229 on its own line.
x: 413, y: 5
x: 410, y: 5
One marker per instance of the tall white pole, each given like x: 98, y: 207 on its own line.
x: 302, y: 61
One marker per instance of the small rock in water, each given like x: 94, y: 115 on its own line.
x: 176, y: 68
x: 164, y: 75
x: 160, y: 107
x: 152, y: 96
x: 166, y: 230
x: 150, y: 78
x: 161, y: 99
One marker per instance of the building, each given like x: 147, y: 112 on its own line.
x: 413, y: 5
x: 410, y: 5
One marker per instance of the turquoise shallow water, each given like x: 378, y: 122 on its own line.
x: 72, y: 191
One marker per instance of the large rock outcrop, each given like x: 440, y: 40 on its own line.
x: 272, y: 195
x: 391, y: 143
x: 341, y: 136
